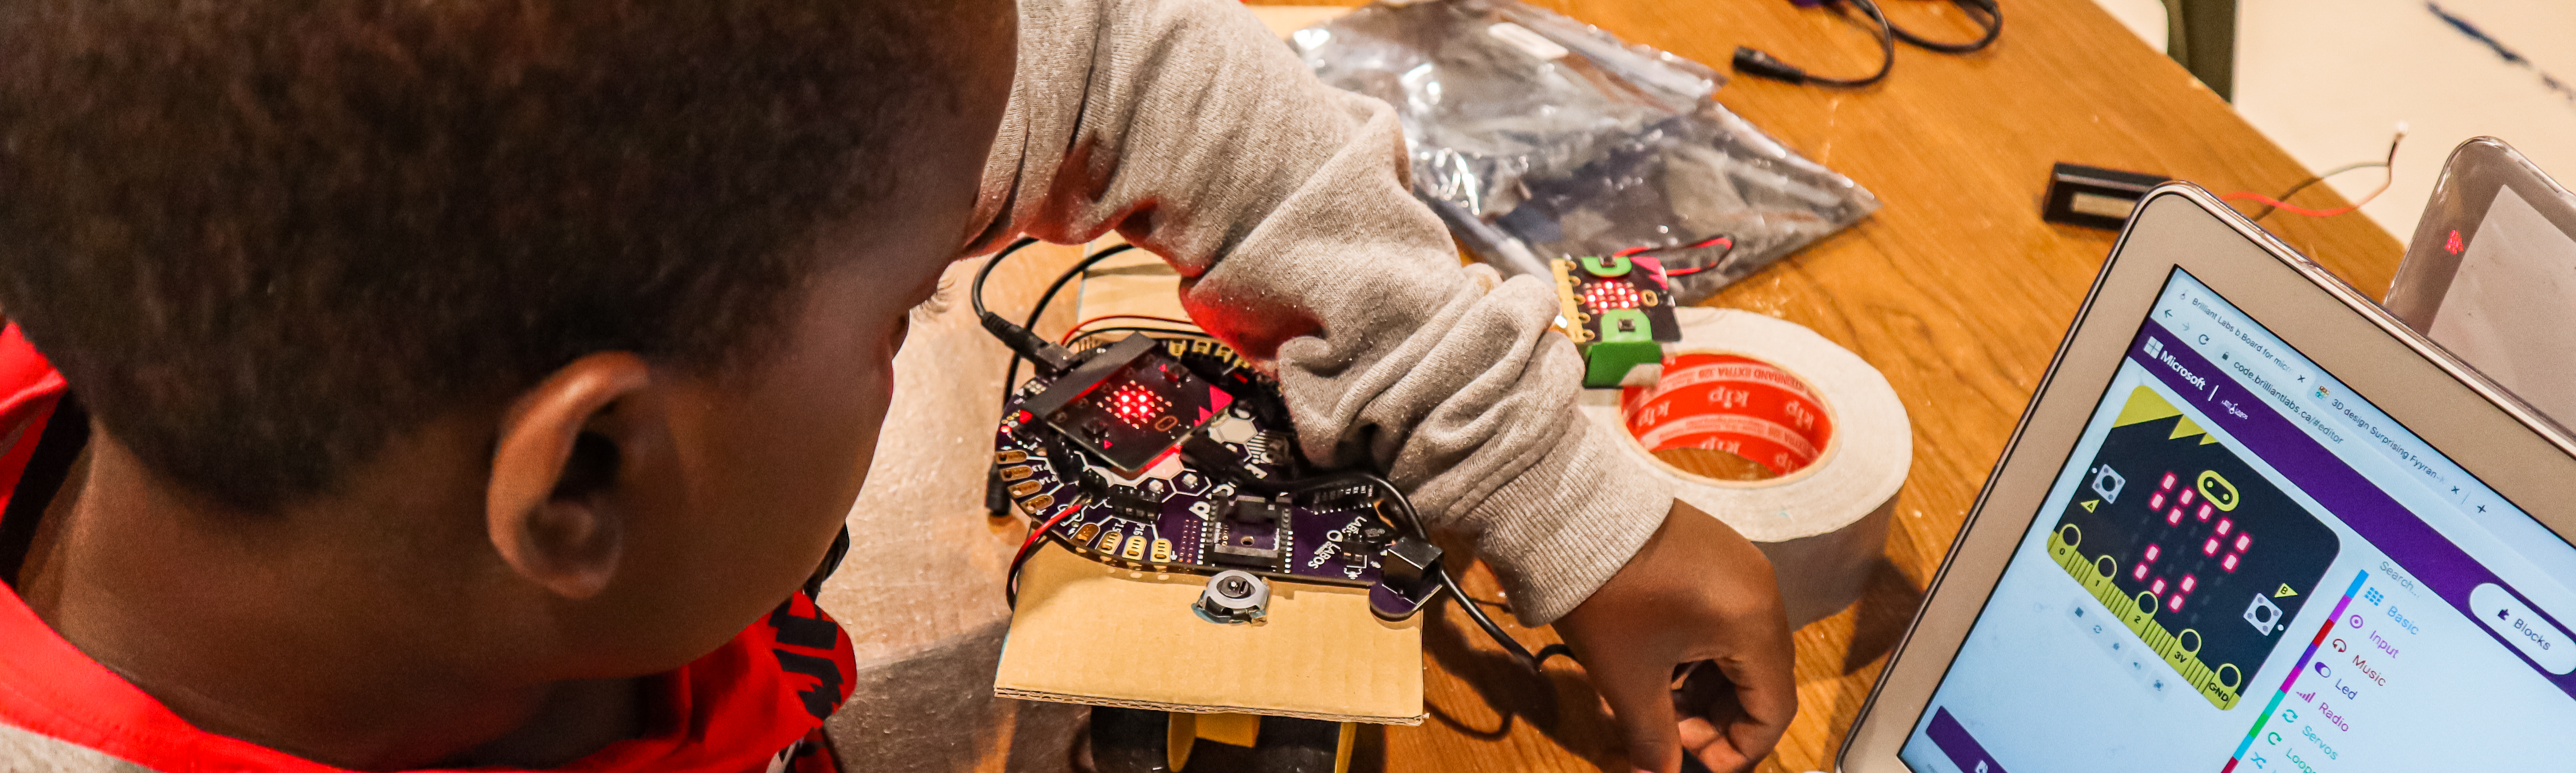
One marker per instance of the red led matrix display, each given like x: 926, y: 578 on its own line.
x: 2164, y: 529
x: 1137, y: 405
x: 2194, y: 524
x: 1611, y: 294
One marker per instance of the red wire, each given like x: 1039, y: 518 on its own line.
x: 2290, y: 208
x: 2389, y: 164
x: 1028, y: 548
x: 1077, y: 328
x: 1711, y: 241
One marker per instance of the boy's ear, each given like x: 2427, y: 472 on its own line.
x: 551, y: 508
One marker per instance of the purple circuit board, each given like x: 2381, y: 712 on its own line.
x: 1186, y: 512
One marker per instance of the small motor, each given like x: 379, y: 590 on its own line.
x: 1235, y: 596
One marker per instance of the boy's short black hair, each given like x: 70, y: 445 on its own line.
x: 260, y: 237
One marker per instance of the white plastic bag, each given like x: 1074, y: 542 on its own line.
x: 1560, y: 140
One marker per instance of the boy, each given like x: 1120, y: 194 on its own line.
x: 464, y: 383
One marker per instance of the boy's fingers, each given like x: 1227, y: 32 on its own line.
x: 1767, y: 691
x: 1698, y: 733
x: 1642, y: 703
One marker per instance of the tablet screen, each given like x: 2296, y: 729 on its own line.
x: 2509, y: 305
x: 2245, y: 567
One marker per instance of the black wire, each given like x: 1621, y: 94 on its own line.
x: 2285, y: 196
x: 1413, y: 522
x: 1886, y: 50
x: 975, y: 292
x: 1758, y: 63
x: 1011, y: 373
x: 1061, y: 279
x: 2386, y: 163
x: 1536, y: 663
x: 1988, y: 15
x: 1410, y: 520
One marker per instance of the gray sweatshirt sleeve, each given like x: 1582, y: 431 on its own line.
x: 1189, y: 129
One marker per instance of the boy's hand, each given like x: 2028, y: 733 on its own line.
x: 1696, y: 591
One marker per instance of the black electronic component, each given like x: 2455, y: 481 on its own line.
x: 2094, y: 197
x: 1208, y: 454
x: 1410, y: 562
x: 1128, y: 403
x: 1122, y: 500
x: 1232, y: 554
x: 1597, y: 288
x: 1257, y: 511
x: 1126, y: 502
x: 997, y: 502
x: 1343, y: 495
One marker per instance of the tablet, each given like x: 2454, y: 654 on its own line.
x: 2491, y: 274
x: 2250, y: 522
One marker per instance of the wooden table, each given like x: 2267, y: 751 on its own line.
x: 1956, y: 290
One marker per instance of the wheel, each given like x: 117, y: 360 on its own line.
x: 1131, y: 741
x: 1135, y: 741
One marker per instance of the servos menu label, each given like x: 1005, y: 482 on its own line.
x: 2199, y: 556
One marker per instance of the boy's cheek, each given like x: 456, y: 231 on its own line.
x: 776, y: 471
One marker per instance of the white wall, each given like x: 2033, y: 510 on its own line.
x: 2145, y: 17
x: 2333, y: 79
x: 2330, y: 79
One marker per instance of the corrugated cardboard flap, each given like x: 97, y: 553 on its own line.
x: 1086, y: 632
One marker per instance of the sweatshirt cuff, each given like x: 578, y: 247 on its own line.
x: 1565, y: 525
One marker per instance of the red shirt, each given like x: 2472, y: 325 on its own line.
x: 756, y: 704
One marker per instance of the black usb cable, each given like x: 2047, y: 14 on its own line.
x: 1761, y: 64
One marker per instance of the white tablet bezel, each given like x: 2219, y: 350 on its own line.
x: 2504, y: 443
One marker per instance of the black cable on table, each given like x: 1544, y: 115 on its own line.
x: 1986, y: 13
x: 1757, y: 63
